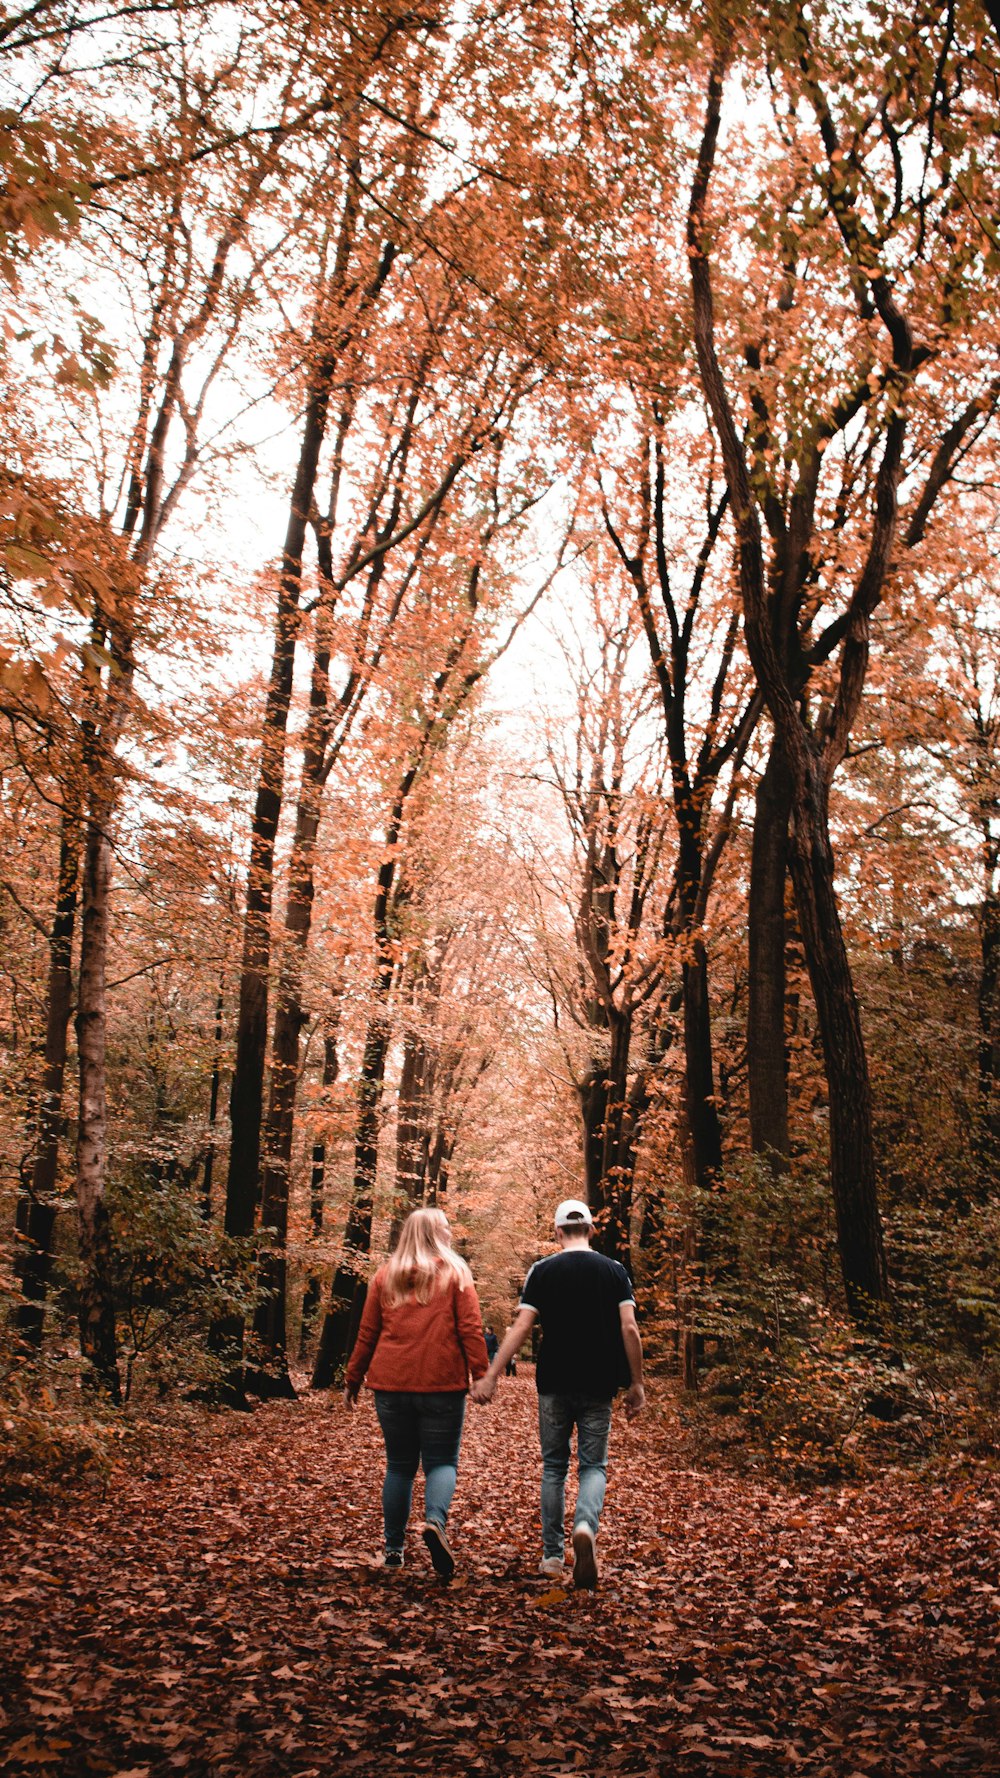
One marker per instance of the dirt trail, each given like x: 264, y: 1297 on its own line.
x: 218, y: 1610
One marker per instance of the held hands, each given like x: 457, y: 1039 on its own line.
x: 483, y: 1389
x: 635, y: 1401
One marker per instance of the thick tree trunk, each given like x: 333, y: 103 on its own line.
x: 95, y: 1297
x: 592, y: 1094
x: 852, y: 1160
x: 36, y: 1209
x: 766, y: 1058
x: 852, y: 1150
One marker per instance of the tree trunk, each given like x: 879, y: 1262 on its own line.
x: 317, y: 1186
x: 852, y: 1149
x: 36, y: 1209
x: 213, y: 1105
x: 95, y: 1298
x: 766, y: 1058
x: 852, y: 1157
x: 699, y: 1080
x: 989, y: 1038
x: 613, y: 1199
x: 247, y: 1091
x: 593, y: 1098
x: 347, y: 1294
x: 412, y: 1123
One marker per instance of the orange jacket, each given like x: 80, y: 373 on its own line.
x: 419, y: 1347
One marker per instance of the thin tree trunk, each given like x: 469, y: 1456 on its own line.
x: 412, y: 1132
x: 213, y: 1105
x: 699, y: 1078
x: 989, y: 1038
x: 348, y: 1290
x: 347, y: 1293
x: 36, y: 1209
x: 613, y: 1200
x: 767, y: 1071
x: 247, y: 1091
x: 317, y: 1188
x: 95, y: 1297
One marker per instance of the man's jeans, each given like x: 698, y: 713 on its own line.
x: 557, y: 1415
x: 418, y: 1429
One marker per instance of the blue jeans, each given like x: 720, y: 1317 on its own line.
x: 418, y: 1429
x: 557, y: 1416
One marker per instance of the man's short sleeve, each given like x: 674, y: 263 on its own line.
x: 626, y: 1294
x: 529, y: 1291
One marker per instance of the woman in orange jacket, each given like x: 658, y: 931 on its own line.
x: 421, y: 1336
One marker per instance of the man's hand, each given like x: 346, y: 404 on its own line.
x: 483, y: 1389
x: 635, y: 1400
x: 351, y: 1393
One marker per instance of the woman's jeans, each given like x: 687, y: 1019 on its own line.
x: 418, y: 1429
x: 557, y: 1416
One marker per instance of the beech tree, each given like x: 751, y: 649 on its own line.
x: 875, y: 232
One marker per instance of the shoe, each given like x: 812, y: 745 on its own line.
x: 554, y: 1566
x: 584, y: 1557
x: 439, y: 1548
x: 393, y: 1559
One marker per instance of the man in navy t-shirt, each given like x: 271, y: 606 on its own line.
x: 590, y: 1348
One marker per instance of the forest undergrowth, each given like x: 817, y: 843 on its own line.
x: 217, y: 1607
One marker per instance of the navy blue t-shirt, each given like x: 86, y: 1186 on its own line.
x: 577, y: 1295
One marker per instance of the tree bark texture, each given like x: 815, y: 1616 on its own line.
x: 95, y: 1297
x: 609, y: 1142
x: 767, y: 1069
x: 852, y: 1154
x: 989, y: 1037
x: 317, y: 1189
x: 347, y: 1292
x: 36, y: 1208
x: 247, y: 1090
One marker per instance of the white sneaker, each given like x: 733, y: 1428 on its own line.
x: 584, y: 1557
x: 554, y: 1566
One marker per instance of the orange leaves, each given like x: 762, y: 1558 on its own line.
x: 739, y: 1629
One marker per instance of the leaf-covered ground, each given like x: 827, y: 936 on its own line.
x: 218, y: 1609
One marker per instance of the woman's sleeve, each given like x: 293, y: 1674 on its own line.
x: 368, y: 1333
x: 469, y: 1321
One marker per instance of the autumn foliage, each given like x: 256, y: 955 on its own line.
x: 499, y: 699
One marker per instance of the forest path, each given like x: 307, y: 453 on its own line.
x: 218, y: 1610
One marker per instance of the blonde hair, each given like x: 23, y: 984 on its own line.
x: 422, y: 1260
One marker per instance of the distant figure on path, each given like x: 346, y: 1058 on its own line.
x: 421, y: 1336
x: 590, y: 1348
x: 492, y: 1343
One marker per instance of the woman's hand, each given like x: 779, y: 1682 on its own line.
x: 351, y: 1392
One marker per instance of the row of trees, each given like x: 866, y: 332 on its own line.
x: 406, y: 329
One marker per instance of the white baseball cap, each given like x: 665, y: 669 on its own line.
x: 573, y: 1213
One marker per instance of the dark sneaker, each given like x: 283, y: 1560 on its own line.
x: 393, y: 1559
x: 584, y: 1558
x: 439, y: 1548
